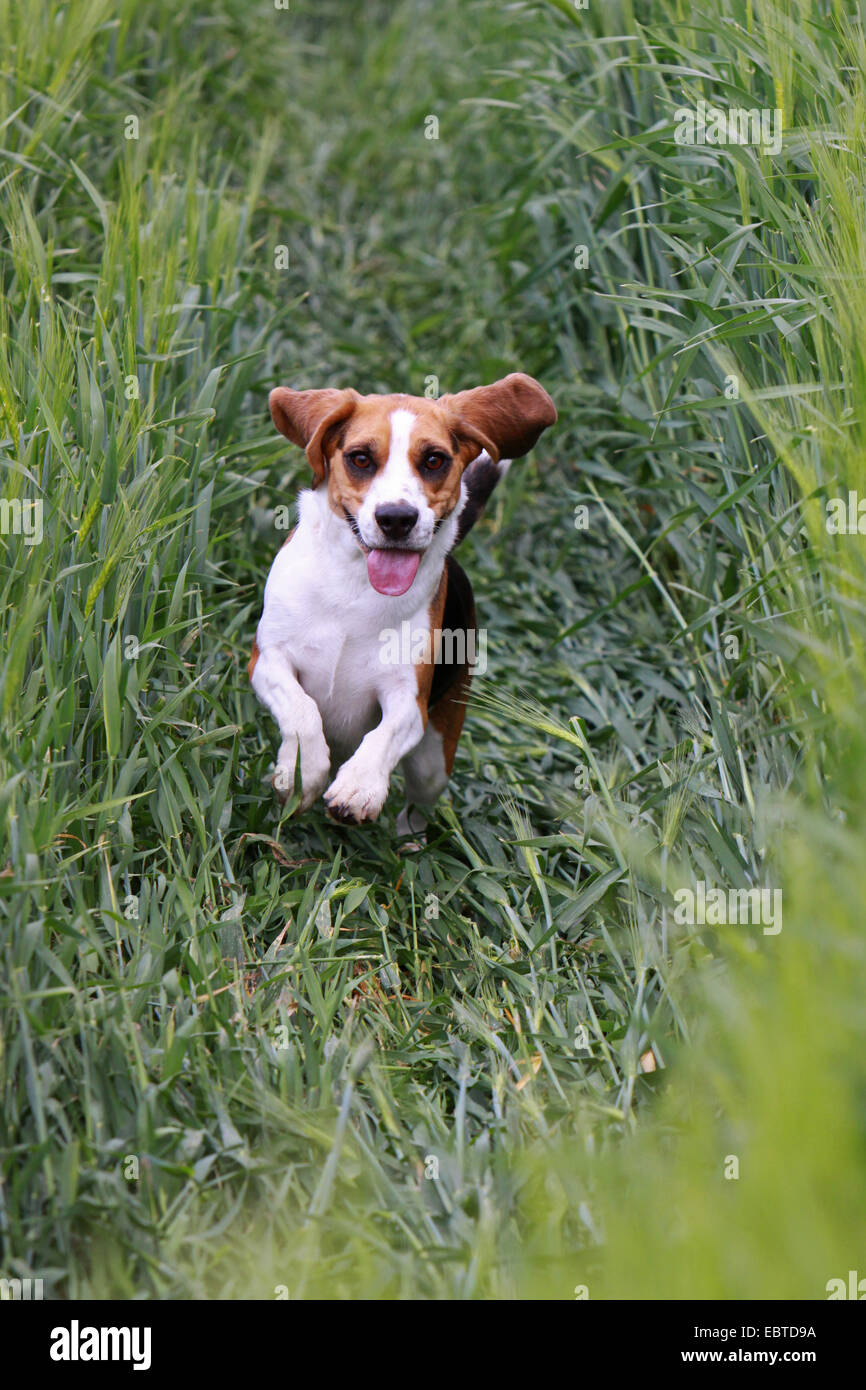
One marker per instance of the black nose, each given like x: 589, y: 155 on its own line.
x: 396, y: 519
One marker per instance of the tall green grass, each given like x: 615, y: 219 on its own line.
x: 241, y: 1053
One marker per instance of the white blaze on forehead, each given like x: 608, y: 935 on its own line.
x: 398, y: 481
x: 401, y: 422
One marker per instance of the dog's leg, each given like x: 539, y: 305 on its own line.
x: 426, y: 779
x: 300, y: 724
x: 359, y: 789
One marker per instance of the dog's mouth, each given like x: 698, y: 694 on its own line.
x: 390, y: 569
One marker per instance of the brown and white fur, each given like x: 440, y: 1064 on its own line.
x: 398, y: 481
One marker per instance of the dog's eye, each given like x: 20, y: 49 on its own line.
x: 432, y: 462
x: 360, y: 460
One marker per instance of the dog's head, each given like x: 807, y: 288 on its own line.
x: 393, y: 464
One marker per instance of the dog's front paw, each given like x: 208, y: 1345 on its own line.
x: 357, y: 793
x: 315, y: 770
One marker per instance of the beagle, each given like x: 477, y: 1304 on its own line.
x: 398, y: 482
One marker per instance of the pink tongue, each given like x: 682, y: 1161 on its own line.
x: 392, y: 571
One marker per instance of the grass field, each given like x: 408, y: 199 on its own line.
x: 242, y: 1053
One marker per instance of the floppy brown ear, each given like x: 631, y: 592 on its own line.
x: 306, y: 418
x: 508, y: 415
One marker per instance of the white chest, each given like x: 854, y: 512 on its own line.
x: 336, y: 630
